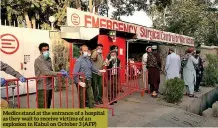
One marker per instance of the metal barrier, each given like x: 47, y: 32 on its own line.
x: 117, y: 83
x: 115, y: 87
x: 63, y: 95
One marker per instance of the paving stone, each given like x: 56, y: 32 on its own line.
x: 149, y: 125
x: 184, y: 119
x: 163, y: 123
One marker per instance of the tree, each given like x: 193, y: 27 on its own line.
x: 26, y: 13
x: 191, y: 18
x: 128, y: 7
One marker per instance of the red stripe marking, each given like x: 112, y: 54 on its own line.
x: 6, y: 43
x: 8, y: 47
x: 8, y: 40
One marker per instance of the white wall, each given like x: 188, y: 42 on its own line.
x: 29, y: 40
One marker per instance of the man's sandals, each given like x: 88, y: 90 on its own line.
x: 154, y: 94
x: 192, y: 96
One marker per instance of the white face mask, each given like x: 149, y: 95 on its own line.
x: 99, y: 51
x: 113, y: 57
x: 89, y: 54
x: 85, y: 54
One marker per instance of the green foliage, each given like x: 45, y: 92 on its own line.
x: 22, y: 11
x: 174, y: 90
x: 128, y: 7
x: 76, y: 52
x: 192, y: 18
x: 210, y: 77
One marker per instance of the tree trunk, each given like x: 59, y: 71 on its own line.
x: 33, y: 20
x: 9, y: 22
x: 90, y: 6
x: 28, y: 22
x: 216, y: 32
x: 78, y: 4
x: 215, y: 27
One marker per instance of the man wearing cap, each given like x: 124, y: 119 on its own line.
x: 189, y: 73
x: 154, y: 66
x: 144, y: 64
x: 173, y: 65
x: 113, y: 63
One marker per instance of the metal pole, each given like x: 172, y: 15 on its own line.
x: 127, y: 56
x: 127, y: 49
x: 52, y: 26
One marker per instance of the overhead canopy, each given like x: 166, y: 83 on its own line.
x: 80, y: 33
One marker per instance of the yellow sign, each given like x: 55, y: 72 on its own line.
x: 54, y: 118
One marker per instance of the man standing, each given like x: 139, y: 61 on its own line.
x: 199, y: 70
x: 189, y: 73
x: 43, y: 67
x: 9, y: 70
x: 154, y: 66
x: 97, y: 61
x: 84, y: 65
x: 144, y: 64
x: 113, y: 64
x: 173, y: 65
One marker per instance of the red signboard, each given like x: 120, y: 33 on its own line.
x: 86, y: 19
x: 9, y: 43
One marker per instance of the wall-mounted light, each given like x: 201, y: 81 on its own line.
x: 52, y: 19
x: 112, y: 35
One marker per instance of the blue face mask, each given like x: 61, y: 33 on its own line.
x: 46, y: 54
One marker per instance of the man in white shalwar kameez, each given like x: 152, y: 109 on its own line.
x: 173, y: 64
x: 144, y: 62
x: 189, y: 73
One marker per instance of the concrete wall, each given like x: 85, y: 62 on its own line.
x: 200, y: 104
x: 163, y: 50
x: 180, y: 50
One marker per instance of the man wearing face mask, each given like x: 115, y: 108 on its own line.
x: 84, y: 65
x: 89, y: 54
x: 97, y: 61
x: 43, y: 67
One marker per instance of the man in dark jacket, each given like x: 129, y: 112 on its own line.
x: 113, y: 64
x: 199, y: 70
x: 154, y: 66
